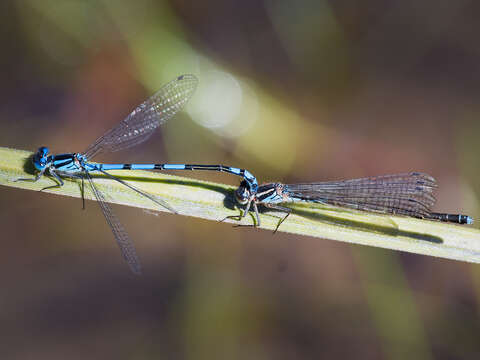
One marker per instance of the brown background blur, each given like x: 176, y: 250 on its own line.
x: 292, y: 91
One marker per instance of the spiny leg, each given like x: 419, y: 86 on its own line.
x: 282, y: 209
x: 255, y: 224
x: 36, y: 178
x: 55, y: 175
x: 82, y: 186
x: 83, y: 193
x: 242, y: 214
x: 40, y: 174
x: 255, y: 208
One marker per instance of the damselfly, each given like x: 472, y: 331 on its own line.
x: 409, y: 194
x: 134, y: 129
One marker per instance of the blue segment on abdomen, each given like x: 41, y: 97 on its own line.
x: 251, y: 179
x: 127, y: 166
x: 112, y: 166
x: 143, y: 166
x: 235, y: 170
x: 174, y: 166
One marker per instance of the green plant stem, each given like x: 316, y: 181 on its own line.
x: 215, y: 202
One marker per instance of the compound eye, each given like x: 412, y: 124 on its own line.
x: 242, y: 195
x: 43, y: 151
x: 40, y: 159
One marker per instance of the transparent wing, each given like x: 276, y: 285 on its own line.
x: 126, y: 245
x: 148, y: 196
x: 147, y: 117
x: 406, y: 194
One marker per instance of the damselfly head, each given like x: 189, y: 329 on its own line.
x: 40, y: 159
x: 243, y: 194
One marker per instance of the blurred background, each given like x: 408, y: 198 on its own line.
x: 293, y: 91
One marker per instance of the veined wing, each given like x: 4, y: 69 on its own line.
x: 147, y: 117
x: 406, y: 194
x: 123, y: 240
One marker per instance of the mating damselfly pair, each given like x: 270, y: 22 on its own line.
x: 405, y: 194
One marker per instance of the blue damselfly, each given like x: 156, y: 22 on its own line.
x: 134, y: 129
